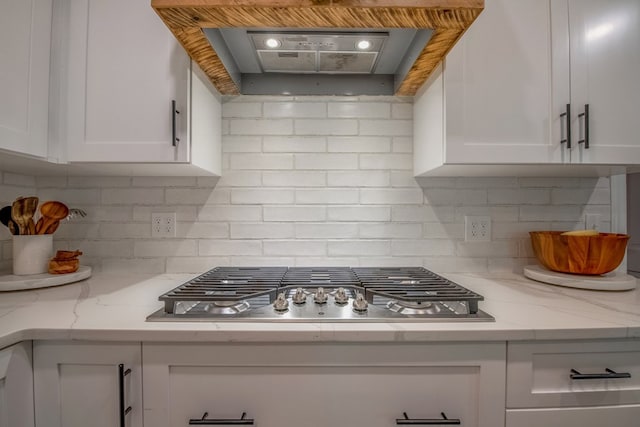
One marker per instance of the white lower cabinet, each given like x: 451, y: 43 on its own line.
x: 319, y: 385
x: 16, y: 386
x: 83, y: 384
x: 576, y: 383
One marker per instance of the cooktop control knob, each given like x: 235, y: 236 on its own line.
x: 320, y: 297
x: 341, y: 297
x: 360, y: 304
x: 299, y: 297
x: 281, y: 303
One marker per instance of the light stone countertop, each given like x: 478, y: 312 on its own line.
x: 113, y: 307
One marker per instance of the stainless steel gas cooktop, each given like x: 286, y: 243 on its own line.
x: 320, y: 294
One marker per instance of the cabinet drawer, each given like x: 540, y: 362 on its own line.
x: 540, y: 374
x: 319, y: 386
x: 618, y: 416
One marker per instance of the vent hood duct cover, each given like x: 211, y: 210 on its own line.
x: 191, y: 23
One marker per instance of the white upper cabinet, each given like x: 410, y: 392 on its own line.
x: 604, y: 39
x: 130, y: 91
x: 25, y: 35
x: 502, y: 92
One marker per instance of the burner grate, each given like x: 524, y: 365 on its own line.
x: 320, y: 276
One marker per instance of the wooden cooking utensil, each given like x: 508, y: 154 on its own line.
x: 51, y: 212
x: 22, y: 211
x: 5, y: 218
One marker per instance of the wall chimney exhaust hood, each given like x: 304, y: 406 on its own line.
x: 318, y: 47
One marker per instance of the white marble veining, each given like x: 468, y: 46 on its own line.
x: 113, y: 307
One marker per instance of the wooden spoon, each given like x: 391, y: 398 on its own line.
x: 51, y: 212
x: 22, y: 211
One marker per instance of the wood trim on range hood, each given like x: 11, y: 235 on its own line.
x: 448, y: 18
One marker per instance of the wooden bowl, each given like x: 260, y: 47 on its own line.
x: 590, y: 255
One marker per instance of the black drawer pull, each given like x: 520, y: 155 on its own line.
x: 204, y: 421
x: 567, y: 118
x: 444, y: 421
x: 124, y: 409
x: 609, y: 374
x: 585, y: 117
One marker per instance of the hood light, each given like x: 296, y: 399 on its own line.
x: 363, y: 44
x: 272, y: 43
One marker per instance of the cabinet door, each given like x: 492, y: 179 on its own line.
x: 605, y: 65
x: 16, y: 386
x: 79, y: 384
x: 498, y: 88
x: 598, y: 416
x: 125, y: 69
x: 324, y: 385
x: 25, y: 33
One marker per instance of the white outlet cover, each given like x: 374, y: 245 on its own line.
x: 477, y: 228
x: 163, y: 224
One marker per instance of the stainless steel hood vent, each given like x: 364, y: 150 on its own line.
x: 289, y: 61
x: 330, y: 53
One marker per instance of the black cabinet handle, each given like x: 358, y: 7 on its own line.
x: 174, y: 113
x: 609, y: 374
x: 585, y: 115
x: 567, y: 125
x: 242, y: 421
x: 124, y: 410
x: 444, y: 421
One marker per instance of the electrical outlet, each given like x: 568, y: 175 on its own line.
x: 477, y: 229
x: 592, y: 221
x: 163, y: 224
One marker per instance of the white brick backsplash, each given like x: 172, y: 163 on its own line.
x: 359, y: 213
x: 295, y: 248
x: 487, y: 249
x: 367, y: 110
x: 420, y: 213
x: 326, y: 161
x: 198, y: 196
x: 294, y: 179
x: 326, y: 127
x: 294, y: 144
x: 230, y: 213
x: 390, y: 231
x: 395, y: 196
x: 261, y: 161
x: 402, y: 111
x: 164, y: 247
x: 550, y: 213
x: 358, y: 178
x: 504, y: 196
x: 326, y: 231
x: 262, y: 196
x: 402, y: 144
x: 220, y: 247
x: 261, y: 127
x: 242, y: 109
x: 359, y: 144
x: 579, y: 196
x: 262, y: 231
x: 386, y: 127
x: 239, y: 179
x: 424, y: 247
x: 124, y: 196
x: 327, y: 196
x: 436, y: 196
x: 295, y: 213
x: 242, y: 144
x: 311, y: 181
x: 295, y: 109
x: 359, y: 248
x: 386, y: 161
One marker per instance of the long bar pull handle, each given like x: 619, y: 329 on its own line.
x: 609, y: 374
x: 242, y: 421
x: 585, y: 115
x: 567, y: 118
x: 444, y: 421
x: 174, y: 114
x: 124, y: 410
